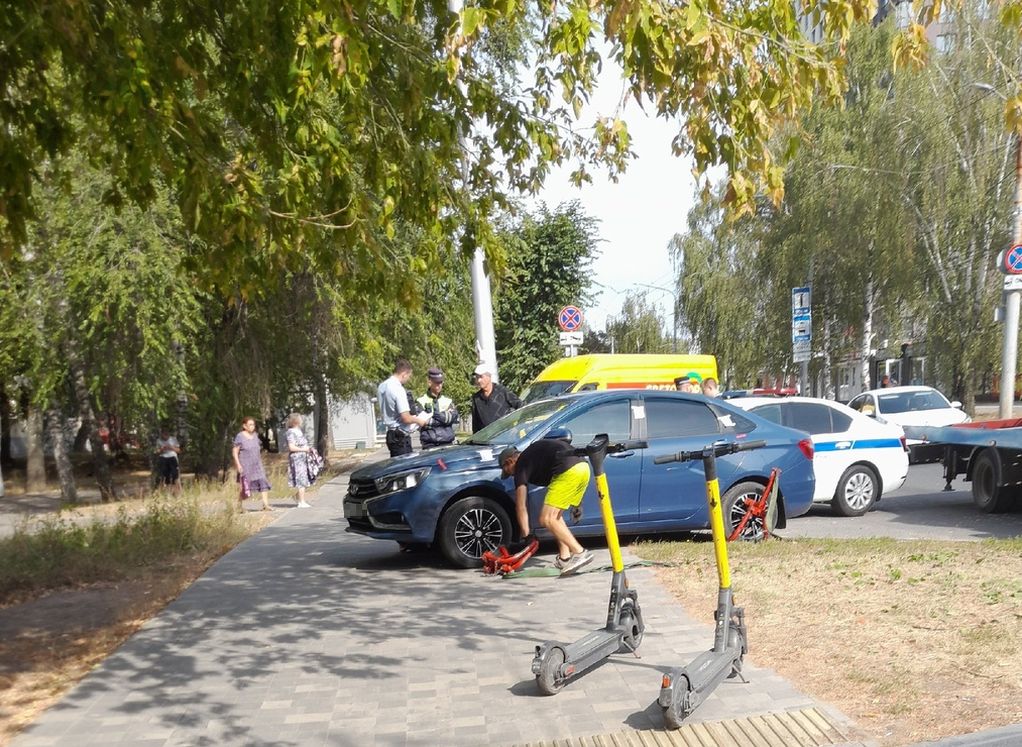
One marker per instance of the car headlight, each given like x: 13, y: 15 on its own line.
x: 402, y: 481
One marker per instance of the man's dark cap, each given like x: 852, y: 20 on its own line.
x: 435, y: 374
x: 506, y: 454
x: 682, y: 380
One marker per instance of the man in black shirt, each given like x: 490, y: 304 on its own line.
x: 550, y: 462
x: 492, y: 401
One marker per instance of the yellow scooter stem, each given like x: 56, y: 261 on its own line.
x: 609, y: 525
x: 717, y: 528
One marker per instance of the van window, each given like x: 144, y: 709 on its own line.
x: 612, y: 418
x: 679, y: 419
x: 545, y: 389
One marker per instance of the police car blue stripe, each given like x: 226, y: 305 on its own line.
x: 871, y: 443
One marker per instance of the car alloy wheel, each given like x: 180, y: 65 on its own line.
x: 735, y: 505
x: 857, y: 491
x: 471, y: 526
x: 477, y: 531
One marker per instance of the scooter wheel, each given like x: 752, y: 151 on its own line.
x: 736, y: 641
x: 631, y: 638
x: 549, y: 679
x: 678, y: 710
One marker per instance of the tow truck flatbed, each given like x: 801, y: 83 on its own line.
x: 988, y: 453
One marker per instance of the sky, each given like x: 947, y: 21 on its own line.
x: 639, y: 214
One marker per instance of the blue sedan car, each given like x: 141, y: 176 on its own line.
x: 455, y: 499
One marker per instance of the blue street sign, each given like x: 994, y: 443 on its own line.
x: 569, y: 318
x: 801, y: 301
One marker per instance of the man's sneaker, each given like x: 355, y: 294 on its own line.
x: 560, y: 562
x: 575, y: 562
x: 303, y: 504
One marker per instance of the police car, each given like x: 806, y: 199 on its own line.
x: 857, y: 459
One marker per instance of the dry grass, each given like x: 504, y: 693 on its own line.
x: 912, y: 640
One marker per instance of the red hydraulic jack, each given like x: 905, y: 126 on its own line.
x: 504, y: 562
x: 760, y: 516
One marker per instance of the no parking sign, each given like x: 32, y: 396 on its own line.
x: 569, y: 319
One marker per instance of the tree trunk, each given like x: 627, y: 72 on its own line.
x: 869, y: 303
x: 65, y: 472
x: 100, y: 461
x: 322, y: 413
x: 35, y: 467
x: 5, y: 427
x: 101, y: 465
x: 82, y: 437
x: 827, y: 380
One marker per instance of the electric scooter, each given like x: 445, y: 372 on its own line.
x: 682, y: 690
x: 555, y: 662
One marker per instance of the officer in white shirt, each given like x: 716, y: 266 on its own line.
x: 396, y: 411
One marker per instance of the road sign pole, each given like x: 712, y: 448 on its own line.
x: 1009, y: 348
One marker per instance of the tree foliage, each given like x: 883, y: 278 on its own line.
x: 720, y: 290
x: 277, y: 125
x: 549, y: 258
x: 895, y: 206
x: 639, y: 327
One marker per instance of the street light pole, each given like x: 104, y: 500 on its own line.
x: 1009, y: 349
x: 482, y: 300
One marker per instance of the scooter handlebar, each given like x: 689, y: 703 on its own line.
x: 716, y: 449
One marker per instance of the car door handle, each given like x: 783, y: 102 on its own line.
x: 843, y: 445
x: 620, y: 454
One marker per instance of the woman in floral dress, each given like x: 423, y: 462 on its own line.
x: 249, y: 464
x: 297, y: 459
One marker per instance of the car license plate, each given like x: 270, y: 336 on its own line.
x: 354, y: 510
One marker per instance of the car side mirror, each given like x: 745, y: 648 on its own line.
x: 559, y: 432
x: 956, y: 404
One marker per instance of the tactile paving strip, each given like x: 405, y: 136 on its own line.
x: 807, y: 727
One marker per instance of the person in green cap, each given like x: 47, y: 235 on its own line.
x: 690, y: 383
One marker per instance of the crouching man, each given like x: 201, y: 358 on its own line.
x: 551, y: 463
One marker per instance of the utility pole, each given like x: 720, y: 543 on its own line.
x: 1009, y: 349
x: 482, y: 300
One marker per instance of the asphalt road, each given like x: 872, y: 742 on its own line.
x: 919, y: 510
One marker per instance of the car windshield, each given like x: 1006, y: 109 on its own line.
x: 912, y: 401
x: 545, y: 389
x: 517, y: 425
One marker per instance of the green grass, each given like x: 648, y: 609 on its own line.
x: 60, y: 552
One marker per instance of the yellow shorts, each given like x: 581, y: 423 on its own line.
x: 566, y: 490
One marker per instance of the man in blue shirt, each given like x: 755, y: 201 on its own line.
x: 395, y: 411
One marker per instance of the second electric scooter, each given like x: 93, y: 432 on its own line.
x: 683, y: 689
x: 555, y: 662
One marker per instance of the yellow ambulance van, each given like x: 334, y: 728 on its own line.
x: 616, y: 371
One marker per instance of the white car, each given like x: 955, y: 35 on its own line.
x: 911, y: 405
x: 856, y: 459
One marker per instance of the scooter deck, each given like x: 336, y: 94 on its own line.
x: 692, y: 684
x: 586, y: 652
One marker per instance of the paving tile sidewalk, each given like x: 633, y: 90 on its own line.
x: 306, y: 635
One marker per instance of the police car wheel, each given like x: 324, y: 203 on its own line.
x: 857, y: 491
